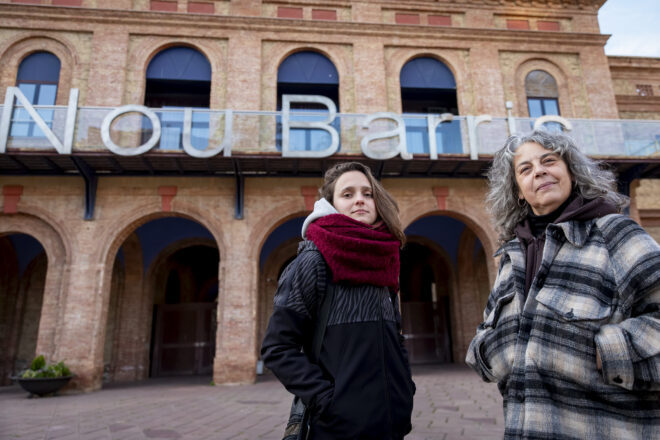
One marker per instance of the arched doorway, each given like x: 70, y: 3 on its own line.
x: 22, y: 281
x: 278, y: 250
x: 444, y: 283
x: 163, y: 302
x: 426, y: 287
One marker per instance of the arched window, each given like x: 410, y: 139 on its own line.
x: 179, y: 77
x: 542, y: 94
x: 37, y: 77
x: 307, y: 73
x: 429, y: 87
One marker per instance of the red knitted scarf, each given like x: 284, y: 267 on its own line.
x: 355, y: 252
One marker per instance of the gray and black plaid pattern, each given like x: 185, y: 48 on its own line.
x: 598, y: 286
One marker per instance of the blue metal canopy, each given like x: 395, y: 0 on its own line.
x: 39, y: 67
x: 426, y: 73
x: 307, y: 68
x: 179, y: 63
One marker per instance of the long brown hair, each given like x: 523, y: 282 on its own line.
x: 386, y: 206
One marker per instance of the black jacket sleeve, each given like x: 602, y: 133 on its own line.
x: 291, y: 327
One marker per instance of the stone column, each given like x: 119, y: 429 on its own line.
x: 235, y: 356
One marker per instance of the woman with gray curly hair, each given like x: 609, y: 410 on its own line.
x: 571, y: 329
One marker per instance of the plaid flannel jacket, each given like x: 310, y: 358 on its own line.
x: 598, y: 286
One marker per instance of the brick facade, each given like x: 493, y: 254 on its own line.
x: 96, y: 309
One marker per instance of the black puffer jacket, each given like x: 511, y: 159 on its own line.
x: 361, y: 388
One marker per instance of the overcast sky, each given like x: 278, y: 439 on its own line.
x: 634, y: 26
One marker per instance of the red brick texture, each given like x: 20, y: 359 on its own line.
x: 548, y: 25
x: 67, y: 2
x: 201, y: 8
x: 324, y: 14
x: 283, y: 12
x: 517, y: 24
x: 163, y: 6
x: 441, y: 193
x: 310, y: 194
x: 12, y: 194
x: 166, y: 194
x: 406, y: 18
x: 439, y: 20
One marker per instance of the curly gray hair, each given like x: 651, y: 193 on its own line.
x: 590, y: 180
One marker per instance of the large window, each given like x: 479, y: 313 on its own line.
x: 307, y: 73
x: 542, y: 94
x: 179, y: 77
x: 38, y: 76
x: 428, y: 87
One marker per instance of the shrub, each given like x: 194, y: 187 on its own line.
x: 39, y: 368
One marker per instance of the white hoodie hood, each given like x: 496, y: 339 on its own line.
x: 321, y: 208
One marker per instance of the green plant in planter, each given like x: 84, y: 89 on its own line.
x: 39, y: 369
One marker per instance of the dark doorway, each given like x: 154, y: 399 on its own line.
x: 425, y: 305
x: 184, y: 324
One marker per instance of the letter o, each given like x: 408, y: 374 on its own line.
x: 135, y: 151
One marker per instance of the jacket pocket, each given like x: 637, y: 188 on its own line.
x: 571, y: 306
x: 495, y: 343
x: 581, y: 310
x: 507, y: 306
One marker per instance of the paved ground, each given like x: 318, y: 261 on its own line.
x: 451, y: 403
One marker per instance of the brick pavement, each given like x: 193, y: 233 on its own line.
x: 451, y: 403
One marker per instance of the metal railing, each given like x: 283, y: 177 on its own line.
x: 253, y: 132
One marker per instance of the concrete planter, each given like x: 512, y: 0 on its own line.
x: 42, y: 386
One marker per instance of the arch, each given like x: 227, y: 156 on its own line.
x: 164, y: 64
x: 149, y: 277
x: 470, y: 217
x: 23, y: 46
x: 558, y: 74
x: 138, y: 297
x: 340, y: 55
x: 57, y: 255
x: 146, y: 48
x: 136, y: 217
x: 541, y: 84
x: 428, y: 87
x: 268, y: 278
x: 307, y: 66
x: 308, y: 72
x: 453, y: 59
x: 272, y: 219
x: 426, y: 72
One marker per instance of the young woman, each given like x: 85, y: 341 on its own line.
x: 571, y: 331
x: 360, y: 387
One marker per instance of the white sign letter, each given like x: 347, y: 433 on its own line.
x: 135, y: 151
x: 70, y: 122
x: 432, y: 121
x: 472, y: 123
x: 399, y: 131
x: 210, y: 150
x: 553, y: 118
x: 287, y: 124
